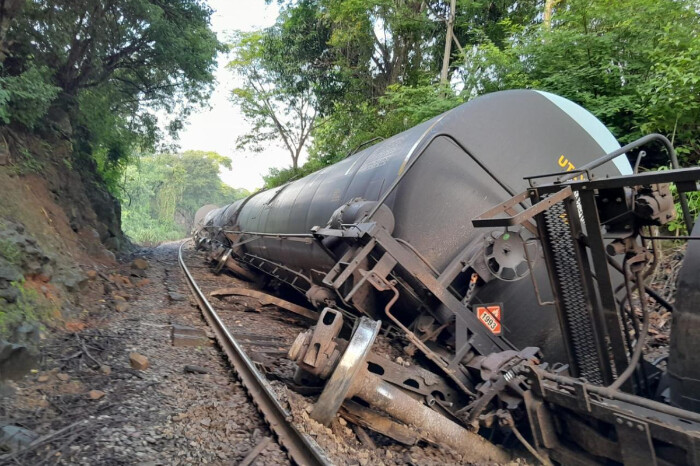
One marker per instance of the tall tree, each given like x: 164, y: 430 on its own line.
x: 633, y: 63
x: 274, y: 111
x: 115, y: 63
x: 287, y: 78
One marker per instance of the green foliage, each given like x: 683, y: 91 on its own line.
x: 353, y: 127
x: 635, y: 64
x: 632, y: 63
x: 280, y: 108
x: 10, y: 252
x: 109, y: 68
x: 677, y: 226
x: 26, y: 98
x: 365, y: 69
x: 163, y: 192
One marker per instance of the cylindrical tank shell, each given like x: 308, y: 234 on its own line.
x: 203, y: 215
x: 504, y: 137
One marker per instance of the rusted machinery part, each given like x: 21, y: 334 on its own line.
x: 352, y: 362
x: 350, y: 378
x: 300, y: 449
x: 434, y: 427
x: 265, y: 298
x: 358, y: 414
x: 221, y: 260
x: 239, y: 270
x: 225, y: 260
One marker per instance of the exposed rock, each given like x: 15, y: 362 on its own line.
x: 15, y: 360
x: 8, y: 273
x: 95, y: 394
x: 112, y: 243
x: 26, y: 334
x: 138, y: 361
x: 175, y: 296
x: 139, y: 264
x: 191, y: 369
x: 15, y: 438
x: 188, y: 336
x: 72, y: 279
x: 22, y: 251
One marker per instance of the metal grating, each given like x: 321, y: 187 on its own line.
x: 573, y: 299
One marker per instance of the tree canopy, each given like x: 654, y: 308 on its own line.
x: 372, y: 68
x: 101, y: 69
x: 163, y: 192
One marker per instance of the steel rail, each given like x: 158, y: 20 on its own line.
x: 300, y: 448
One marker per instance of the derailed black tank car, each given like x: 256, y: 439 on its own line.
x: 463, y: 164
x: 388, y: 233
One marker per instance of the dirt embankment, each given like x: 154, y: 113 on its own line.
x: 56, y: 222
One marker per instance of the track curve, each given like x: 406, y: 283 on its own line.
x: 300, y: 449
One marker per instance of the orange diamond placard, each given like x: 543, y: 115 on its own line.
x: 490, y: 316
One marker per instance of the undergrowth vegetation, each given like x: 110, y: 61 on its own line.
x: 29, y: 307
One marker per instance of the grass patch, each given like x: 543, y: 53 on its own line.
x: 10, y: 252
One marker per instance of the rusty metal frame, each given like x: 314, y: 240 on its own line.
x: 371, y: 240
x: 522, y: 218
x: 643, y: 426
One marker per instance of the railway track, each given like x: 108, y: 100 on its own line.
x: 300, y: 449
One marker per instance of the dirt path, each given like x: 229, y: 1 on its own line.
x: 101, y: 410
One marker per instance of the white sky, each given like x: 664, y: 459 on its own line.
x: 216, y: 129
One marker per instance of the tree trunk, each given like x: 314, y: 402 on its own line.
x: 9, y: 9
x: 448, y: 44
x: 548, y: 9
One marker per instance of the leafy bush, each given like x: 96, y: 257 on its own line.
x: 26, y: 98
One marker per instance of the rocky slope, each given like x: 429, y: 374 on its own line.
x: 56, y: 222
